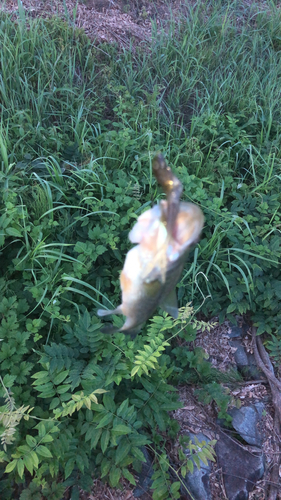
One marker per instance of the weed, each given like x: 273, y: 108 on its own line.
x: 79, y: 127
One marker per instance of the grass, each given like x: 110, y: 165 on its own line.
x: 56, y: 90
x: 80, y: 124
x: 206, y: 93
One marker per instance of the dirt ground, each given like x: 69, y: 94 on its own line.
x: 105, y: 20
x: 125, y: 22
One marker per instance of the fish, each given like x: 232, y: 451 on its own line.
x: 163, y: 236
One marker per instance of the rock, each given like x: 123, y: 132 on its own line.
x: 246, y: 362
x: 240, y: 354
x: 198, y: 483
x: 240, y: 468
x: 245, y: 420
x: 145, y: 481
x: 236, y: 331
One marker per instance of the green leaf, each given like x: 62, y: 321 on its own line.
x: 42, y: 429
x: 231, y: 308
x: 139, y: 440
x: 129, y: 476
x: 114, y: 476
x: 63, y: 388
x: 95, y: 437
x: 41, y: 375
x: 28, y: 462
x: 123, y: 408
x: 123, y: 449
x: 69, y: 467
x: 105, y: 467
x: 171, y: 406
x: 35, y: 459
x: 80, y: 462
x: 20, y: 467
x: 105, y: 420
x: 197, y: 461
x: 121, y: 429
x: 47, y: 439
x: 58, y: 379
x: 11, y: 466
x: 55, y: 402
x: 138, y: 454
x: 31, y: 441
x: 209, y: 455
x: 105, y: 440
x: 109, y: 402
x: 174, y: 489
x: 11, y: 231
x: 202, y: 456
x: 183, y: 471
x: 9, y: 380
x: 190, y: 466
x: 99, y: 391
x: 135, y: 370
x: 43, y: 451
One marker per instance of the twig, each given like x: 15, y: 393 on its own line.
x: 258, y: 346
x: 264, y: 363
x: 250, y: 382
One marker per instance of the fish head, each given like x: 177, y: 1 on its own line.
x: 165, y: 176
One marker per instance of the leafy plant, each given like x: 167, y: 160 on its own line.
x: 80, y: 126
x: 194, y: 453
x: 274, y: 347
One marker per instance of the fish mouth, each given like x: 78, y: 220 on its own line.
x: 172, y: 187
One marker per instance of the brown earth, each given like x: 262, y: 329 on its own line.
x: 123, y: 21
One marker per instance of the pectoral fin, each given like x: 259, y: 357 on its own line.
x: 170, y: 304
x: 155, y: 275
x: 107, y: 312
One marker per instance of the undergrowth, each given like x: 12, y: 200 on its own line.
x: 79, y: 127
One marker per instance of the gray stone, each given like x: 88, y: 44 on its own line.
x: 246, y: 362
x: 198, y: 483
x: 240, y: 468
x: 145, y: 481
x: 240, y: 354
x: 246, y: 421
x: 236, y: 331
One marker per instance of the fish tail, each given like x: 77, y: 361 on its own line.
x: 106, y: 312
x: 109, y: 329
x: 133, y: 332
x: 129, y: 329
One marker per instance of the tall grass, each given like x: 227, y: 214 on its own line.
x: 48, y: 86
x: 79, y: 127
x: 206, y: 92
x: 57, y: 91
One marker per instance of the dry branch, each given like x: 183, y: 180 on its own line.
x: 264, y: 363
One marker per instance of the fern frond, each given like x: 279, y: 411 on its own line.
x: 147, y: 359
x: 78, y: 400
x: 10, y: 417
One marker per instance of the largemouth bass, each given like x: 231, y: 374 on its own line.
x: 164, y: 235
